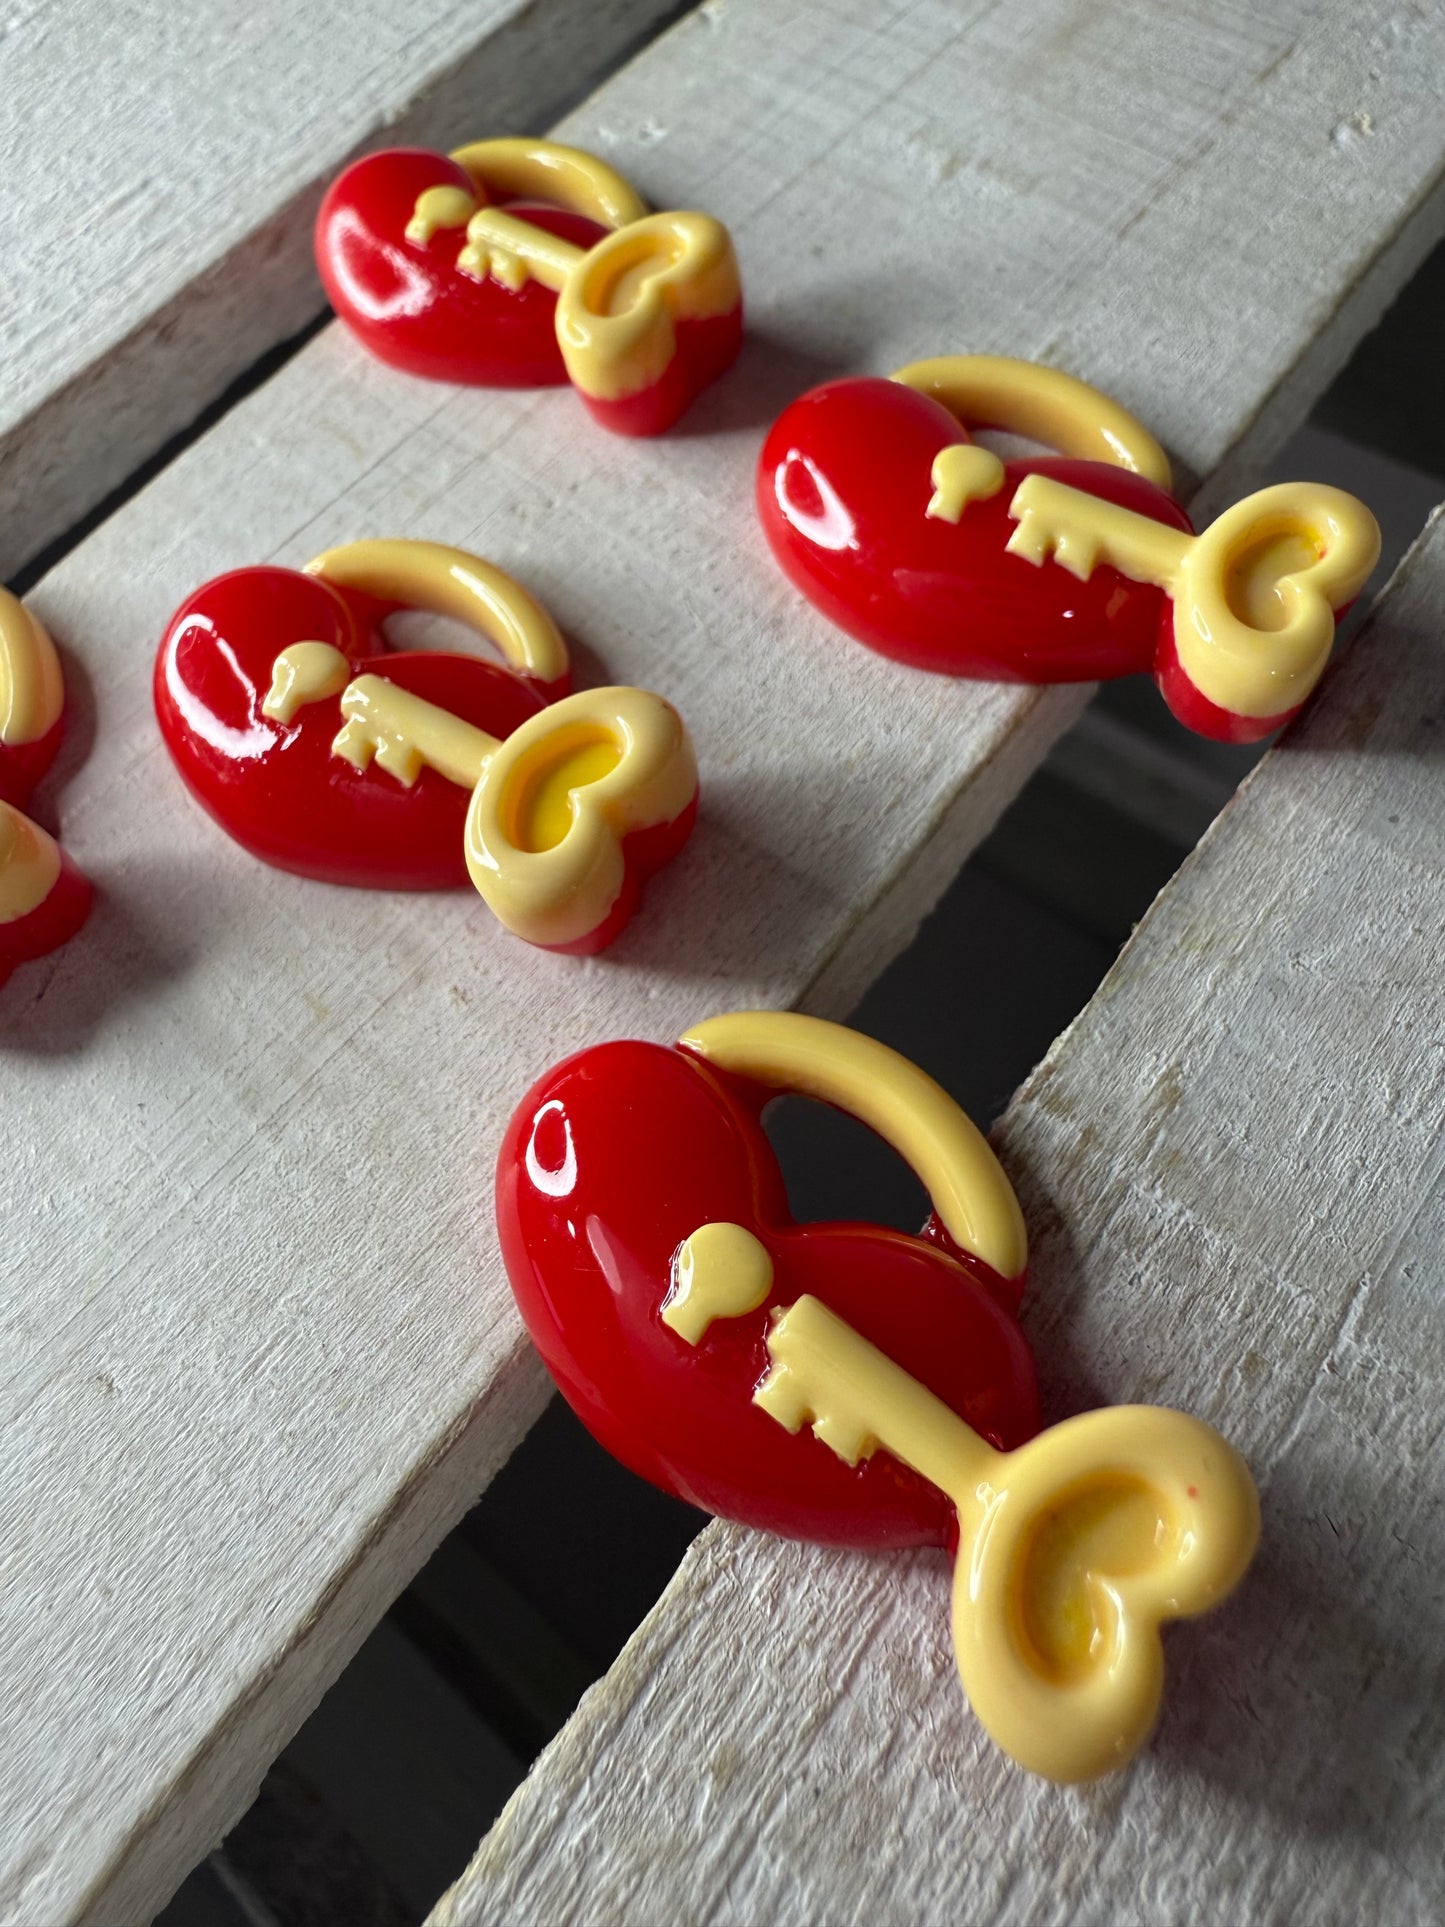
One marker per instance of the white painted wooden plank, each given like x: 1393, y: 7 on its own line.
x: 257, y: 1350
x: 1231, y: 1166
x: 163, y: 166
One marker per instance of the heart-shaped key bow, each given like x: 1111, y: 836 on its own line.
x: 512, y: 263
x: 44, y: 899
x: 1073, y: 568
x: 325, y: 753
x: 850, y: 1384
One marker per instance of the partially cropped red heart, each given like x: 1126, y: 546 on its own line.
x: 277, y: 787
x: 44, y: 899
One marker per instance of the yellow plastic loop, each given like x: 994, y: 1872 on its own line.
x: 789, y: 1052
x: 1044, y: 404
x: 451, y: 582
x: 531, y: 170
x: 1072, y: 1550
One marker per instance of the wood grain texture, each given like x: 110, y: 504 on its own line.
x: 163, y: 166
x: 257, y: 1350
x: 1231, y: 1167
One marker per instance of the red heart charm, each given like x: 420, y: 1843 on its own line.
x: 609, y: 1167
x: 277, y: 787
x: 44, y: 899
x: 409, y: 303
x: 844, y: 487
x: 515, y: 263
x: 931, y: 549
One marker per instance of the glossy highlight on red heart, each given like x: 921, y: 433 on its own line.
x: 409, y: 303
x: 277, y: 787
x: 610, y: 1163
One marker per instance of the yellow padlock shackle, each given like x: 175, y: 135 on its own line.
x: 444, y: 581
x: 535, y: 170
x: 810, y: 1057
x: 1045, y: 404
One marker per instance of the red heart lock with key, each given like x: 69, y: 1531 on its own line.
x: 849, y: 1384
x: 645, y: 1230
x: 44, y: 899
x: 516, y: 263
x: 925, y: 545
x: 323, y: 752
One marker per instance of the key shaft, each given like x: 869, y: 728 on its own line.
x: 1080, y: 531
x: 514, y: 251
x: 857, y: 1399
x: 405, y: 734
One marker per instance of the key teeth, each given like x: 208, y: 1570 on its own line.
x: 358, y: 744
x: 484, y: 260
x: 782, y: 1398
x: 1038, y: 540
x: 474, y: 262
x: 1032, y: 540
x: 851, y: 1442
x: 353, y: 742
x: 1077, y: 554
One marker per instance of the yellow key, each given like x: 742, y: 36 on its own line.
x: 1254, y: 596
x: 1072, y: 1549
x: 550, y: 806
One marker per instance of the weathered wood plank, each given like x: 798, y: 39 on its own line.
x: 1231, y: 1167
x: 257, y: 1349
x: 161, y: 180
